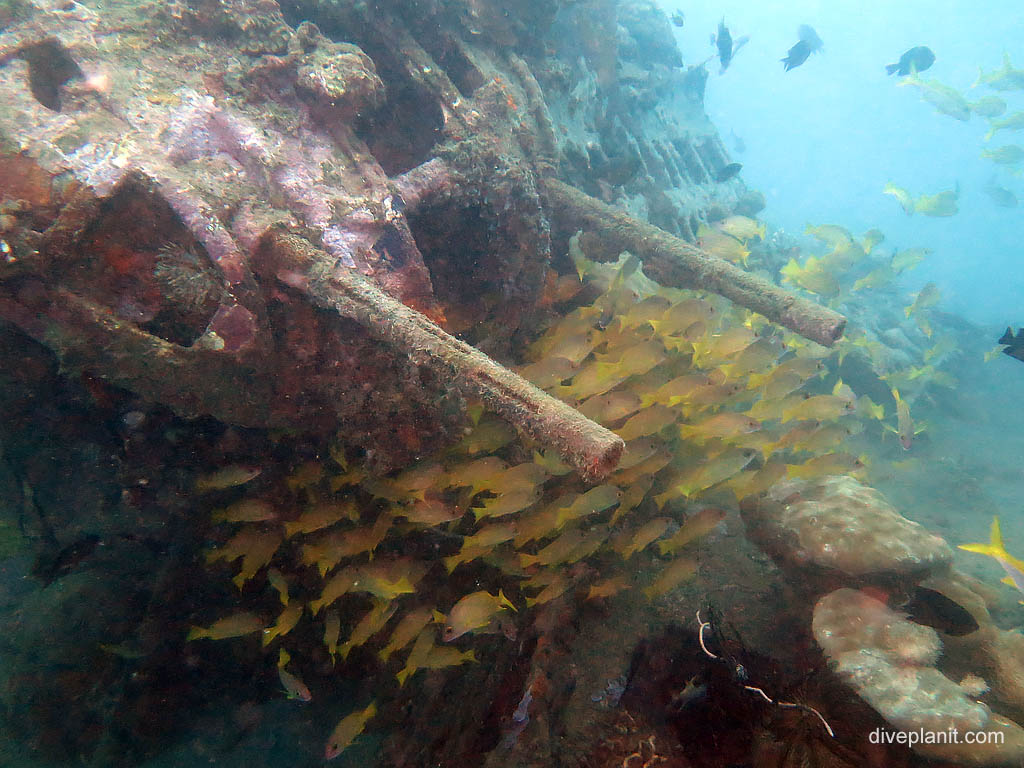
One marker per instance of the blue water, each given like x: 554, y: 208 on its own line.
x: 823, y: 139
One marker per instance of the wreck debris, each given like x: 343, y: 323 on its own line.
x: 590, y: 448
x: 672, y: 261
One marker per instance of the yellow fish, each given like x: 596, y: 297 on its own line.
x: 724, y: 424
x: 908, y: 259
x: 832, y: 235
x: 477, y: 474
x: 742, y: 227
x: 827, y: 464
x: 227, y: 477
x: 418, y: 655
x: 721, y: 245
x: 556, y: 587
x: 246, y: 511
x: 941, y: 204
x: 321, y: 516
x: 429, y: 512
x: 508, y: 503
x: 549, y: 372
x: 702, y: 476
x: 682, y: 315
x: 406, y: 630
x: 491, y: 535
x: 611, y: 407
x: 995, y: 549
x: 346, y: 731
x: 871, y: 238
x: 236, y: 625
x: 332, y: 632
x: 474, y: 611
x: 812, y: 276
x: 904, y: 423
x: 330, y: 549
x: 902, y: 196
x: 597, y: 499
x: 926, y: 298
x: 646, y: 535
x: 556, y: 552
x: 695, y: 527
x: 607, y: 588
x: 675, y: 573
x: 368, y: 626
x: 285, y: 622
x: 649, y: 421
x: 258, y: 555
x: 277, y: 580
x: 820, y: 407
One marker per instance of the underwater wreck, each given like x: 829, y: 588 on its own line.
x: 338, y: 291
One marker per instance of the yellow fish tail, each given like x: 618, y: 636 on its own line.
x: 505, y: 601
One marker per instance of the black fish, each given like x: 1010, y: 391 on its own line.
x: 1014, y: 344
x: 933, y: 609
x: 677, y: 18
x: 724, y: 43
x: 915, y: 60
x: 729, y: 171
x: 807, y: 35
x: 797, y: 55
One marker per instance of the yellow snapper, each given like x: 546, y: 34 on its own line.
x: 940, y: 205
x: 926, y: 298
x: 549, y: 372
x: 372, y: 623
x: 908, y: 259
x: 346, y: 731
x: 227, y: 477
x: 408, y: 627
x: 285, y: 623
x: 611, y: 407
x: 675, y: 573
x: 322, y: 515
x: 246, y: 511
x: 827, y: 464
x: 332, y: 632
x: 236, y: 625
x: 649, y: 421
x: 607, y: 588
x: 558, y: 551
x: 721, y: 245
x: 646, y: 535
x: 820, y: 407
x: 721, y: 425
x: 597, y: 499
x: 695, y: 527
x: 277, y: 580
x: 742, y: 227
x: 330, y: 549
x: 474, y: 611
x: 259, y: 553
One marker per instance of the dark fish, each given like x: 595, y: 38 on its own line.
x: 724, y: 43
x: 729, y: 171
x: 1014, y: 344
x: 797, y: 55
x: 807, y: 35
x: 52, y: 565
x: 933, y: 609
x: 677, y: 18
x: 1001, y: 196
x: 915, y: 60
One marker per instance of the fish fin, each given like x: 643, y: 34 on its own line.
x: 890, y: 68
x: 195, y: 634
x: 438, y: 617
x: 527, y: 560
x: 980, y: 549
x: 403, y: 675
x: 664, y: 548
x: 996, y: 535
x: 282, y: 658
x: 505, y: 601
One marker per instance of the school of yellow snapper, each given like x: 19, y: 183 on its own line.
x: 714, y: 404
